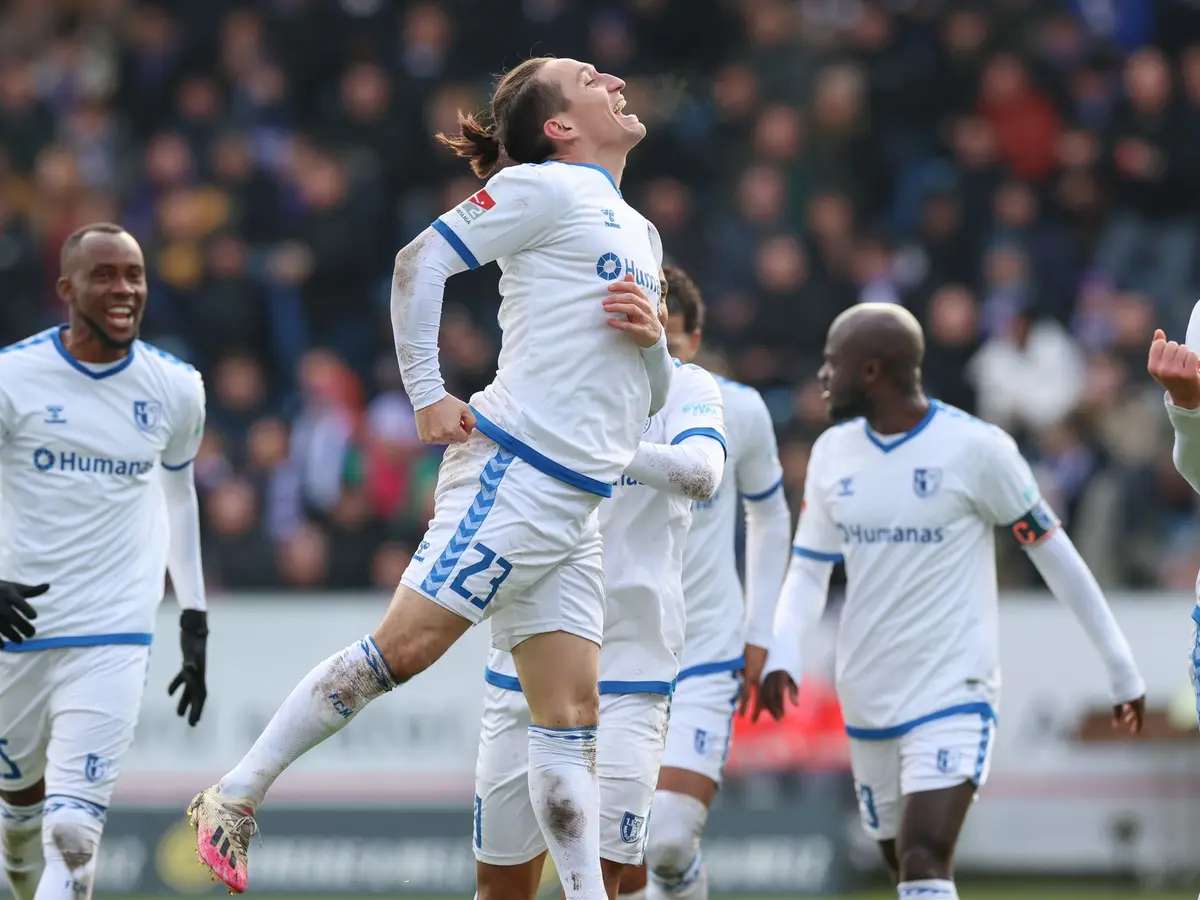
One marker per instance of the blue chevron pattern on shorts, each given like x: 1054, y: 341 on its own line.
x: 489, y: 483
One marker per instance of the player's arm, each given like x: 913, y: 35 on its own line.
x: 760, y: 483
x: 513, y: 212
x: 1010, y: 498
x: 693, y: 463
x: 1175, y: 367
x: 815, y: 550
x: 183, y: 552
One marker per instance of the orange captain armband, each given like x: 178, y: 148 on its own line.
x: 1035, y: 526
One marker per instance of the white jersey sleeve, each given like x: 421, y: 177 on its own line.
x: 187, y: 424
x: 759, y: 472
x: 515, y: 211
x: 1007, y: 494
x: 817, y: 536
x: 698, y: 411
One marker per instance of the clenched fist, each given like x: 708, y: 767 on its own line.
x: 449, y: 421
x: 1177, y: 369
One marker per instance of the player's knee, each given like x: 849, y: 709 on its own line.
x: 676, y: 822
x: 925, y: 859
x: 72, y: 835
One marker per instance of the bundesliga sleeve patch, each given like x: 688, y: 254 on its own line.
x: 475, y: 206
x: 1035, y: 526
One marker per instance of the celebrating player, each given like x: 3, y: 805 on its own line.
x: 1175, y: 367
x: 715, y: 648
x: 515, y: 533
x: 87, y: 415
x: 907, y: 492
x: 680, y: 460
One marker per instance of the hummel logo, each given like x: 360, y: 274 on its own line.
x: 54, y: 415
x: 612, y: 218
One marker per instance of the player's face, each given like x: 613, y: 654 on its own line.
x: 594, y: 106
x: 840, y: 377
x: 682, y: 344
x: 106, y: 287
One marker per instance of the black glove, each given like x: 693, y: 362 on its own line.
x: 193, y: 639
x: 16, y: 614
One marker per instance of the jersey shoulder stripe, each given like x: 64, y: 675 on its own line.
x: 164, y: 355
x: 42, y: 337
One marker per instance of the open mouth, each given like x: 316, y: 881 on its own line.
x: 619, y: 110
x: 120, y: 316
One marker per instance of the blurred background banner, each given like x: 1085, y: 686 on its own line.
x: 1065, y: 795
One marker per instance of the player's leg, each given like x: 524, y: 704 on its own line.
x: 875, y: 766
x: 24, y: 730
x: 632, y: 737
x: 693, y: 764
x: 94, y: 708
x: 943, y: 764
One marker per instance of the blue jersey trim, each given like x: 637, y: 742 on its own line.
x: 178, y: 468
x: 40, y: 338
x: 1196, y: 614
x: 754, y: 498
x: 666, y: 688
x: 75, y: 364
x: 505, y: 682
x: 727, y: 665
x: 456, y: 242
x: 888, y: 447
x: 32, y: 645
x: 603, y: 171
x: 818, y: 555
x: 55, y: 802
x: 543, y: 464
x: 702, y: 432
x: 978, y: 708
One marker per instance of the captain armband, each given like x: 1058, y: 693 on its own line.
x: 1035, y: 526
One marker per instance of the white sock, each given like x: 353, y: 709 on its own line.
x: 319, y: 707
x: 21, y: 847
x: 639, y: 894
x: 690, y: 885
x: 927, y: 889
x: 70, y: 839
x: 566, y: 800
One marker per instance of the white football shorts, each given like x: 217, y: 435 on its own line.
x: 511, y: 543
x: 702, y: 723
x: 937, y: 754
x: 629, y: 747
x: 68, y: 715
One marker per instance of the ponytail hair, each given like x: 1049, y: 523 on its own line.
x: 474, y: 142
x: 520, y: 106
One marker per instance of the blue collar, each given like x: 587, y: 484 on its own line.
x: 56, y: 338
x: 889, y: 446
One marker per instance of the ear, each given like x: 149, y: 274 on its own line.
x: 695, y: 342
x: 64, y: 289
x: 870, y: 371
x: 558, y: 130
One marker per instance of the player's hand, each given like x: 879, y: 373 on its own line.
x: 773, y: 693
x: 631, y: 311
x: 449, y: 421
x: 1177, y: 369
x: 16, y: 614
x: 756, y: 658
x: 193, y: 641
x: 1130, y: 715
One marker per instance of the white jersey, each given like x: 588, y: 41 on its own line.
x: 644, y: 535
x: 715, y: 604
x: 913, y: 517
x: 568, y: 386
x: 81, y: 507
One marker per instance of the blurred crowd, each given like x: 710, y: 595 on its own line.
x: 1017, y: 172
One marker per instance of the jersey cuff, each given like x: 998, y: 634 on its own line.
x: 764, y: 494
x: 818, y: 555
x: 456, y: 242
x: 702, y: 432
x: 178, y: 468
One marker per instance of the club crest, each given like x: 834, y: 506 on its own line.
x: 926, y: 482
x: 96, y: 768
x: 631, y: 827
x: 147, y: 414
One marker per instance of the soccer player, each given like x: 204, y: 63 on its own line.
x: 680, y: 460
x: 515, y: 533
x: 725, y: 633
x: 97, y: 502
x: 907, y: 492
x: 1175, y: 367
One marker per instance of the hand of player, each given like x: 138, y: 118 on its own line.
x: 1130, y: 715
x: 1177, y: 369
x: 633, y: 312
x: 16, y: 614
x: 448, y: 421
x: 775, y: 689
x: 193, y: 641
x: 756, y: 658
